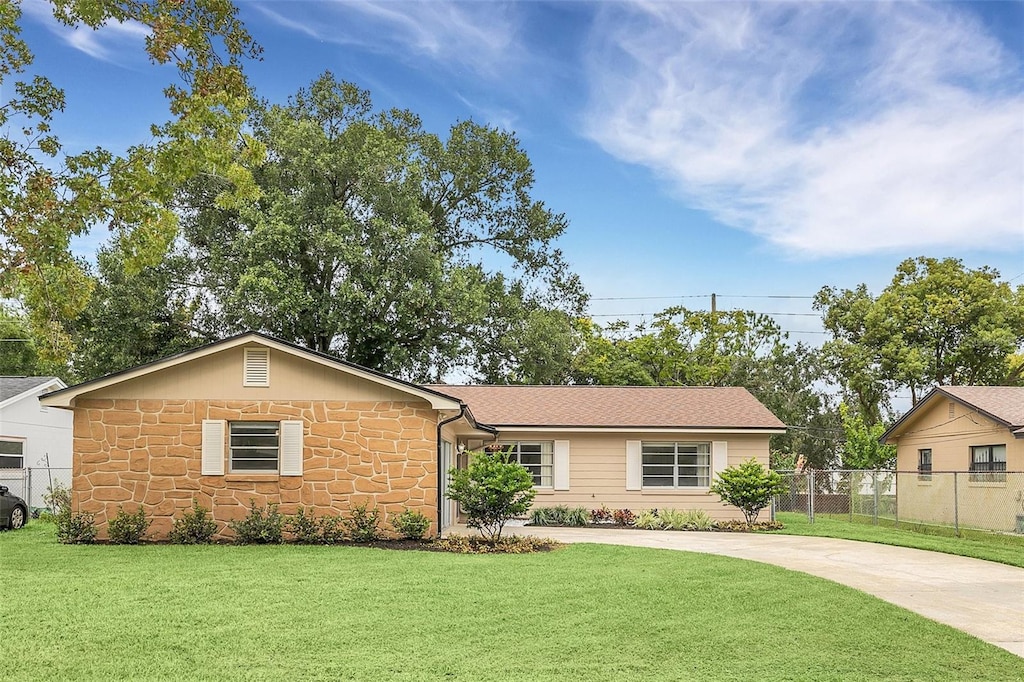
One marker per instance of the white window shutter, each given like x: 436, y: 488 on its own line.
x: 257, y: 367
x: 561, y: 465
x: 291, y: 448
x: 213, y: 447
x: 719, y: 457
x: 634, y: 463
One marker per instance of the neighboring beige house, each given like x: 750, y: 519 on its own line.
x: 976, y: 431
x: 254, y: 418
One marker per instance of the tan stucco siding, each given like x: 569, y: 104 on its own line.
x: 991, y: 504
x: 597, y: 471
x: 950, y: 439
x: 218, y: 376
x: 149, y: 453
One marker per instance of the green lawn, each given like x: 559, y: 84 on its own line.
x: 585, y: 612
x: 1001, y: 547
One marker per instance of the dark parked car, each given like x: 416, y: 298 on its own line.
x: 13, y: 510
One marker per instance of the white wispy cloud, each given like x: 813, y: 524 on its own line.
x: 479, y: 36
x: 106, y: 43
x: 830, y: 129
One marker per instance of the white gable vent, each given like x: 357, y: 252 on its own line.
x: 257, y: 367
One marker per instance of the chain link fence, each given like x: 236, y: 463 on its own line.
x: 33, y: 485
x: 992, y: 501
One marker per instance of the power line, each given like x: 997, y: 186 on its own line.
x: 657, y: 298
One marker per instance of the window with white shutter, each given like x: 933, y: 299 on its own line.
x: 213, y: 447
x: 291, y: 448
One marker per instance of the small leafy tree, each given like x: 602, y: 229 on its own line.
x: 863, y: 448
x: 491, y: 490
x: 749, y: 486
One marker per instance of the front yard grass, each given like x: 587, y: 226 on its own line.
x: 1001, y: 547
x: 585, y: 612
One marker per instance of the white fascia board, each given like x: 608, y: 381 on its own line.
x: 51, y: 385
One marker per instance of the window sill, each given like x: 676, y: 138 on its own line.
x: 544, y: 491
x: 674, y: 491
x: 237, y: 478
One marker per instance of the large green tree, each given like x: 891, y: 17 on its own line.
x: 372, y: 238
x: 48, y: 196
x: 936, y: 323
x: 135, y: 317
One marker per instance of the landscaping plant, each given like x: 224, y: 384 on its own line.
x: 304, y: 527
x: 362, y: 524
x: 601, y: 515
x: 261, y: 526
x: 195, y: 527
x: 648, y: 520
x: 72, y: 528
x: 623, y: 517
x: 491, y: 490
x: 749, y: 487
x: 127, y: 529
x: 411, y: 524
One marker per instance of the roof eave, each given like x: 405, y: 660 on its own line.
x: 31, y: 391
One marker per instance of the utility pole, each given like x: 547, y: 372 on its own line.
x: 714, y: 304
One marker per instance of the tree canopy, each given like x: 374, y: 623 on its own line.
x: 372, y: 236
x: 936, y: 323
x: 49, y: 196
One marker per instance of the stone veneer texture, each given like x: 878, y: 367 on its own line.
x: 148, y: 452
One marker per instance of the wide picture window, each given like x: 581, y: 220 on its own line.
x: 255, y: 446
x: 676, y: 465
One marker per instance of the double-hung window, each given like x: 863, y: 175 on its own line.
x: 537, y: 457
x: 924, y: 464
x: 676, y: 465
x: 988, y: 462
x: 12, y: 454
x: 255, y: 446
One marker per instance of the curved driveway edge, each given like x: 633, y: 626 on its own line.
x: 982, y: 598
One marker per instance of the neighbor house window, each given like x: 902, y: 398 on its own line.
x: 12, y: 454
x: 255, y: 446
x: 537, y: 457
x: 988, y: 462
x: 676, y: 465
x: 924, y: 464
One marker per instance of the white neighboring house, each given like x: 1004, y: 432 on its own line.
x: 33, y: 435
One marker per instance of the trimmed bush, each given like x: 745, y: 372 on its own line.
x: 261, y: 526
x: 749, y: 487
x: 491, y: 490
x: 127, y: 529
x: 195, y: 527
x: 304, y: 528
x: 623, y: 517
x: 510, y: 544
x: 411, y: 524
x: 362, y: 524
x: 74, y: 528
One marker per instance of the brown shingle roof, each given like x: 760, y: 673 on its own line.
x: 614, y: 406
x: 1005, y: 403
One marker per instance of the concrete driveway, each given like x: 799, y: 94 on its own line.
x: 982, y: 598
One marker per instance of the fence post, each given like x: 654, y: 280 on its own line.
x: 896, y: 497
x: 28, y: 489
x: 853, y: 498
x: 810, y: 496
x: 874, y: 484
x: 956, y: 505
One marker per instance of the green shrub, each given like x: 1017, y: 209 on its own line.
x: 698, y: 519
x: 749, y: 487
x: 623, y: 517
x: 332, y: 530
x: 577, y: 516
x: 259, y: 527
x: 491, y: 490
x: 743, y: 526
x: 304, y: 528
x: 362, y: 524
x: 74, y: 528
x: 411, y: 524
x: 127, y: 529
x: 195, y: 527
x: 648, y: 520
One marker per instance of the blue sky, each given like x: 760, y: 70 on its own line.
x: 751, y: 150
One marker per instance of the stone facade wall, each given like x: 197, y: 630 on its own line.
x: 148, y: 452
